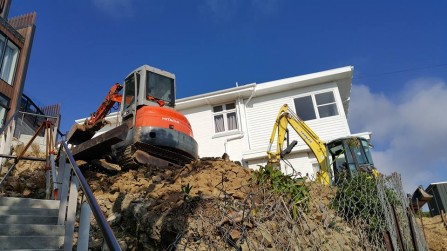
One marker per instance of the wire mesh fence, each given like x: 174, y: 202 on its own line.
x: 356, y: 213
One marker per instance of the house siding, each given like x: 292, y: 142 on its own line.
x: 261, y: 116
x: 210, y: 143
x: 256, y: 119
x: 299, y: 163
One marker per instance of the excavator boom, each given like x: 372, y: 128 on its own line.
x: 288, y: 117
x: 80, y: 133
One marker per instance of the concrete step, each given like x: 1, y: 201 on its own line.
x: 7, y: 210
x: 28, y: 219
x: 29, y: 203
x: 31, y: 242
x: 31, y: 230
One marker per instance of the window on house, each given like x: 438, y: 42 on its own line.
x: 8, y: 55
x: 315, y: 106
x: 326, y: 104
x: 4, y: 103
x: 305, y: 108
x: 225, y: 118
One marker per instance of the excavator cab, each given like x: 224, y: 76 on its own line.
x: 147, y: 86
x: 349, y: 156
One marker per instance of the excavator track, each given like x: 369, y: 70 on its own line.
x: 126, y: 155
x: 125, y: 158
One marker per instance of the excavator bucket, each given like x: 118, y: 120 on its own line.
x: 79, y: 134
x: 97, y: 146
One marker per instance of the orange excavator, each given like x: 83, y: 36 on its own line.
x: 148, y: 130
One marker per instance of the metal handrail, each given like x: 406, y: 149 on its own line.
x: 99, y: 216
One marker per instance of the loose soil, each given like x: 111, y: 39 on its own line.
x: 210, y: 204
x: 435, y: 232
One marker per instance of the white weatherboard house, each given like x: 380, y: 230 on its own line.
x: 239, y: 120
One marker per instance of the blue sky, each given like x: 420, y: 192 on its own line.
x: 398, y: 49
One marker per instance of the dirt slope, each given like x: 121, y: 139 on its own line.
x: 435, y: 233
x: 162, y: 198
x: 209, y: 204
x: 212, y: 205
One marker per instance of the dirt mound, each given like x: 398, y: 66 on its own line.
x: 165, y: 187
x: 160, y: 198
x: 435, y: 232
x: 212, y: 205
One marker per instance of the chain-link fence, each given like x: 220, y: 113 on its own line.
x: 280, y: 213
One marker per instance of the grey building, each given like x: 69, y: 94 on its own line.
x: 439, y: 201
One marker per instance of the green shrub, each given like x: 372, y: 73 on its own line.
x: 292, y: 188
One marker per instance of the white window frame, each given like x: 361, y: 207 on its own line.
x: 8, y: 72
x: 327, y: 104
x: 316, y: 106
x: 224, y: 113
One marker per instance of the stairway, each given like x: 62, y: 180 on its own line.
x: 30, y: 224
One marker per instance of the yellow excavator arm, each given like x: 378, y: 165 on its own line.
x: 287, y: 117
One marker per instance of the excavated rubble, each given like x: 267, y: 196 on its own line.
x: 150, y: 206
x: 209, y: 204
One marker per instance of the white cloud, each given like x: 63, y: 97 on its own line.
x: 409, y: 132
x: 116, y: 8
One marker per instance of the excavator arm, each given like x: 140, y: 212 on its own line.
x: 83, y: 132
x: 109, y: 101
x: 287, y: 117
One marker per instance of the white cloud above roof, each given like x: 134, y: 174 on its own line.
x: 409, y: 131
